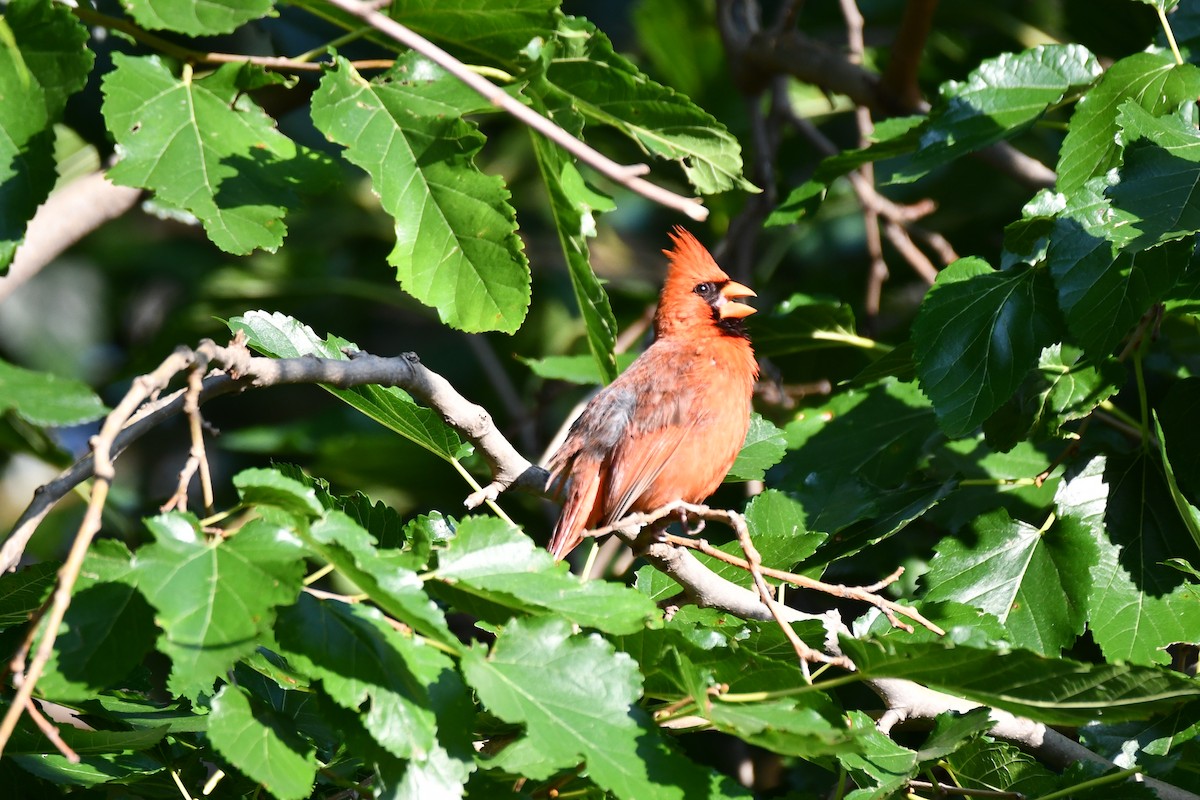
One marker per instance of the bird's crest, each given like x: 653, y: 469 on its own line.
x: 689, y: 262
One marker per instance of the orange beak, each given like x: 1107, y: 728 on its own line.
x: 728, y: 307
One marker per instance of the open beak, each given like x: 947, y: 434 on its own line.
x: 727, y: 305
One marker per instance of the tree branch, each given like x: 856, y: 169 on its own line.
x: 69, y: 214
x: 625, y: 175
x: 238, y: 370
x: 900, y: 75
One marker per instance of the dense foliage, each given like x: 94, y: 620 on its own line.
x: 1016, y: 435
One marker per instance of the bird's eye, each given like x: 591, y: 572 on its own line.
x: 703, y: 289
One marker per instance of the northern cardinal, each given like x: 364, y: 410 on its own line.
x: 670, y: 427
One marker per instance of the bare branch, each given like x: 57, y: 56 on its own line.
x: 625, y: 175
x: 67, y: 216
x: 900, y: 75
x: 143, y: 388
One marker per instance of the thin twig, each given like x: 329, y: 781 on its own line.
x: 898, y: 236
x: 804, y: 653
x: 865, y: 594
x: 629, y: 525
x: 904, y: 64
x: 104, y: 472
x: 191, y: 407
x: 864, y: 179
x: 50, y: 731
x: 627, y: 176
x: 897, y: 219
x: 187, y: 54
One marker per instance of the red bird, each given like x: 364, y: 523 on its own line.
x: 670, y: 427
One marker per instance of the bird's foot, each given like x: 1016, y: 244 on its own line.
x: 689, y: 531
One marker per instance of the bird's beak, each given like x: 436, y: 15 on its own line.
x: 727, y: 305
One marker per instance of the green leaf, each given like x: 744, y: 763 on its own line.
x: 1188, y: 513
x: 1177, y: 413
x: 876, y: 433
x: 479, y: 29
x: 533, y: 677
x: 360, y: 659
x: 215, y: 599
x: 788, y: 726
x: 268, y: 487
x: 776, y: 523
x: 573, y: 369
x: 204, y: 146
x: 107, y: 631
x: 1138, y: 604
x: 891, y: 137
x: 856, y: 514
x: 1104, y: 287
x: 261, y: 746
x: 26, y: 144
x: 456, y: 244
x: 23, y: 592
x: 977, y: 335
x: 1157, y: 183
x: 1092, y: 147
x: 801, y: 324
x: 1053, y: 691
x: 490, y: 559
x: 82, y: 741
x: 1069, y: 386
x: 801, y: 202
x: 282, y: 336
x: 197, y: 18
x: 1027, y: 239
x: 45, y: 399
x: 998, y: 100
x: 53, y: 45
x: 989, y: 765
x: 573, y: 205
x: 880, y: 767
x: 578, y: 68
x: 763, y: 448
x: 1035, y: 581
x: 394, y: 588
x: 952, y: 730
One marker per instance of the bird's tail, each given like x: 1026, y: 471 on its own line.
x: 580, y: 492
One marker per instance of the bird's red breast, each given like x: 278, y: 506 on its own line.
x: 670, y: 427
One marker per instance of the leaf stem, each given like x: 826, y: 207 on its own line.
x: 316, y: 576
x: 1110, y: 408
x: 1143, y: 401
x: 778, y: 694
x: 1162, y: 17
x: 1103, y: 780
x: 998, y: 482
x: 853, y: 340
x: 470, y: 479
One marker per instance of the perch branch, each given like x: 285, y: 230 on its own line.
x: 241, y: 371
x: 627, y: 176
x: 737, y: 522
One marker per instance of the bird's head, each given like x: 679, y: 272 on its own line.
x: 698, y: 295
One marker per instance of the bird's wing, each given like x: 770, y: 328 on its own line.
x: 639, y: 459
